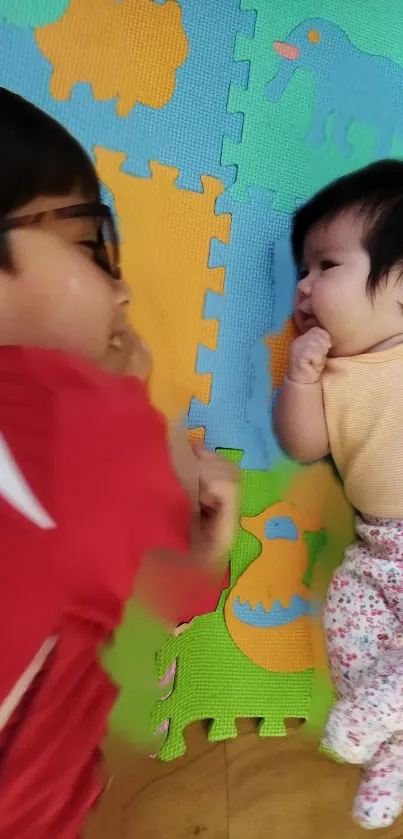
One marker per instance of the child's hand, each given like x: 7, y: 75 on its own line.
x: 185, y: 462
x: 218, y: 500
x: 308, y: 356
x: 128, y: 355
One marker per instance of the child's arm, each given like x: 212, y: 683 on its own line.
x: 130, y: 357
x: 299, y: 414
x: 175, y: 585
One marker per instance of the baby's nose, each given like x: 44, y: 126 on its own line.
x: 304, y: 288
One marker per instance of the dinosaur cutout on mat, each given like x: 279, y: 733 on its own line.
x: 267, y: 612
x: 342, y: 73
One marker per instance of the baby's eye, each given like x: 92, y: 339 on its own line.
x: 326, y: 264
x: 302, y: 274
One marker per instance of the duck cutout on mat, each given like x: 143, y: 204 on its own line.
x: 267, y: 612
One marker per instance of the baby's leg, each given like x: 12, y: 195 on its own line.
x: 359, y: 626
x: 379, y: 799
x: 372, y: 713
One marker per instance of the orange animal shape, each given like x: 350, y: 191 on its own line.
x: 267, y: 611
x: 130, y: 50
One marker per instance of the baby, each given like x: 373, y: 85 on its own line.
x: 343, y: 395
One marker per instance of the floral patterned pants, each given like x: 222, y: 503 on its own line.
x: 363, y: 623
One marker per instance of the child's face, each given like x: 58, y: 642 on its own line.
x: 59, y: 297
x: 332, y: 291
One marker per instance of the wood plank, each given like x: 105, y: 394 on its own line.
x: 175, y: 800
x: 250, y: 787
x: 283, y: 788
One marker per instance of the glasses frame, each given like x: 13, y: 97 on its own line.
x: 95, y: 210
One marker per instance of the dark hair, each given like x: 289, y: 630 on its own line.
x: 38, y: 156
x: 376, y: 194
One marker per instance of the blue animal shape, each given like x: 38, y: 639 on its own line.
x: 352, y: 84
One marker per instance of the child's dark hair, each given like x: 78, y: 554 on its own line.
x: 38, y: 156
x: 375, y: 193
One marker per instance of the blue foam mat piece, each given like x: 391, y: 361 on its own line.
x: 187, y: 133
x: 258, y: 297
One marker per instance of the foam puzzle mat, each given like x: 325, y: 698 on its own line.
x: 209, y: 122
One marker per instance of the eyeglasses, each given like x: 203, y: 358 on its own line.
x: 105, y: 248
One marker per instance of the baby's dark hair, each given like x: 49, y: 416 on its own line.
x: 375, y: 194
x: 38, y: 156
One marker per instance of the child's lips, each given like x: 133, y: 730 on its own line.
x: 116, y: 340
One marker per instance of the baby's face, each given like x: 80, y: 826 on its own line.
x: 332, y: 291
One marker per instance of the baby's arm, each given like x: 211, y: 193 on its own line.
x: 299, y: 414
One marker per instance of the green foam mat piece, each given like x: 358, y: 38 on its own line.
x: 130, y: 662
x: 214, y: 680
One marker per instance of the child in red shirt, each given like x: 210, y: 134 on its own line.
x: 90, y: 507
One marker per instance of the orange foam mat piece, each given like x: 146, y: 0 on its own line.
x: 166, y: 235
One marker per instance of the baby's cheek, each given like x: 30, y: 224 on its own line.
x: 328, y: 305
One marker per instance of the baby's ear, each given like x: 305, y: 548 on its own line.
x: 399, y: 288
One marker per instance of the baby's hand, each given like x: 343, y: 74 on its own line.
x: 308, y: 356
x: 219, y: 505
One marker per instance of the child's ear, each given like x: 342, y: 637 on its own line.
x: 6, y: 258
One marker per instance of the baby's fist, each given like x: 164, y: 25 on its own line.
x: 308, y: 356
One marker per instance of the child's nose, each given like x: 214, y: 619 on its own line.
x: 123, y: 293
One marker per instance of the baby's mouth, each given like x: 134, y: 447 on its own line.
x: 305, y: 320
x: 310, y: 321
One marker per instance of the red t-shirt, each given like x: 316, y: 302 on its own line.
x: 86, y: 491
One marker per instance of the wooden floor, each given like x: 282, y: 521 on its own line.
x: 249, y: 788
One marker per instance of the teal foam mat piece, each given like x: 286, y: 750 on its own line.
x: 304, y: 122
